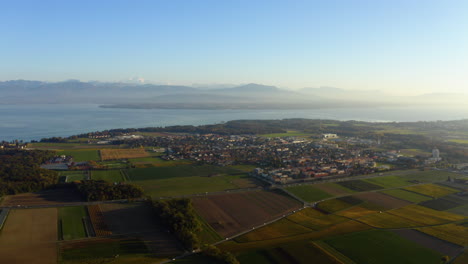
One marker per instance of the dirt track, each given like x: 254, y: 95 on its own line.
x: 29, y: 236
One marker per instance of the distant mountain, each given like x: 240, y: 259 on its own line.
x: 250, y: 88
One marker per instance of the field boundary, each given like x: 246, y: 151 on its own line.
x: 332, y: 252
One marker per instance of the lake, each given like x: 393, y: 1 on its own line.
x: 33, y: 122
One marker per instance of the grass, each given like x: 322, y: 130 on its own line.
x: 155, y: 161
x: 207, y: 235
x: 81, y: 154
x: 72, y: 222
x: 386, y: 220
x: 431, y: 190
x: 429, y: 176
x: 461, y: 210
x: 459, y: 141
x: 389, y: 181
x: 356, y: 212
x: 115, y: 154
x: 383, y: 247
x: 107, y: 175
x: 185, y: 179
x: 406, y: 195
x: 308, y: 193
x: 440, y: 204
x: 74, y: 175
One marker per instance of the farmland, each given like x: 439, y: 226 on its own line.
x: 407, y: 195
x: 97, y: 220
x: 359, y: 186
x: 72, y: 176
x: 107, y: 175
x: 116, y: 154
x: 81, y: 154
x: 389, y: 181
x: 71, y: 222
x: 29, y: 236
x: 309, y: 193
x: 47, y: 197
x: 457, y: 234
x: 231, y: 213
x: 382, y: 200
x: 185, y: 180
x: 425, y: 216
x: 431, y: 190
x: 382, y: 247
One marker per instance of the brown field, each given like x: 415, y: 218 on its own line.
x: 138, y: 220
x: 97, y: 220
x: 114, y: 154
x: 48, y: 197
x: 385, y: 201
x: 332, y: 188
x: 233, y: 213
x: 29, y: 236
x: 356, y: 212
x: 441, y: 246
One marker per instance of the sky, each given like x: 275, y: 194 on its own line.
x: 397, y: 46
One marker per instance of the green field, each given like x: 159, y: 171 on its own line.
x: 359, y: 186
x: 107, y: 175
x: 308, y: 193
x: 281, y: 228
x: 407, y: 195
x: 299, y: 252
x: 155, y: 161
x: 333, y: 205
x: 81, y: 154
x: 461, y: 210
x: 187, y: 179
x: 116, y: 251
x: 74, y: 175
x: 429, y: 176
x: 382, y: 247
x: 389, y: 181
x: 207, y: 234
x: 71, y: 219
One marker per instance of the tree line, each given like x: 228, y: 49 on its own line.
x: 99, y: 190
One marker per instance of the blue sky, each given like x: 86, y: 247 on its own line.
x: 409, y: 46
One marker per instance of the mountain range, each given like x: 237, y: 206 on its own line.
x: 134, y: 95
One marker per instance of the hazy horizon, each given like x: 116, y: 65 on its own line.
x: 398, y: 47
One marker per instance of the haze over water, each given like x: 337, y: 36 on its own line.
x: 33, y: 122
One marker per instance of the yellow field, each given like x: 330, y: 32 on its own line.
x: 114, y: 154
x: 318, y: 222
x: 278, y: 229
x: 356, y: 212
x: 425, y: 216
x: 453, y: 233
x: 431, y: 190
x: 386, y: 220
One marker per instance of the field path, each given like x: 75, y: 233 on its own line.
x: 29, y: 236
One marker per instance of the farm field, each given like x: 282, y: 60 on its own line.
x: 291, y: 133
x: 308, y: 193
x: 281, y: 228
x: 440, y: 204
x: 97, y: 220
x: 356, y: 212
x: 139, y: 220
x: 386, y: 220
x: 156, y: 162
x: 107, y: 175
x: 314, y: 219
x: 47, y: 197
x: 457, y: 234
x: 29, y: 236
x: 232, y: 213
x: 407, y: 195
x: 462, y: 210
x: 115, y: 154
x: 443, y: 247
x: 299, y: 252
x: 359, y: 185
x: 72, y: 176
x: 106, y: 250
x: 431, y: 190
x: 425, y: 216
x: 429, y: 176
x: 81, y: 154
x: 71, y: 222
x: 382, y: 247
x: 389, y: 181
x: 333, y: 205
x: 186, y: 180
x: 382, y: 200
x: 463, y: 258
x: 333, y: 188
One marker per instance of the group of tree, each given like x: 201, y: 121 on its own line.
x: 219, y: 255
x: 180, y: 217
x: 20, y: 171
x: 99, y: 190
